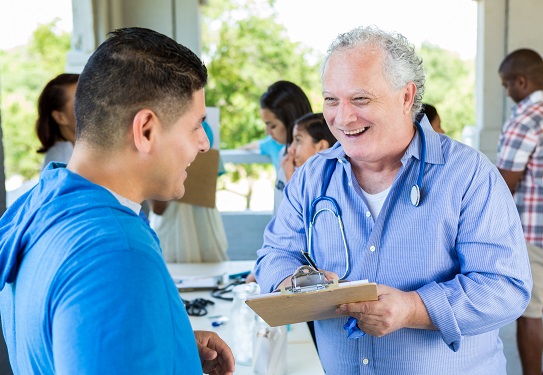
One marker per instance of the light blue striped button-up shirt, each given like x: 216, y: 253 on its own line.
x: 462, y: 249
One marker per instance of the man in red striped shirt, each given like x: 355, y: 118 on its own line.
x: 520, y: 161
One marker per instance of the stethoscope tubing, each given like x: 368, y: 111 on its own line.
x: 415, y: 200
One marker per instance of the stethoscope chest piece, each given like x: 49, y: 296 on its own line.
x: 415, y: 195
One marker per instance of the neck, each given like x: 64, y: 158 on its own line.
x: 67, y: 134
x: 374, y: 176
x: 102, y: 169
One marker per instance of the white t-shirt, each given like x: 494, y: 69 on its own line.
x: 61, y: 152
x: 376, y: 201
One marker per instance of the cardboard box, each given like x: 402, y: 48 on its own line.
x: 201, y: 182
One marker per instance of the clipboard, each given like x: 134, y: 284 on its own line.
x: 281, y: 308
x: 197, y: 283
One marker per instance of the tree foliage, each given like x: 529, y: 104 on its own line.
x: 25, y: 71
x: 246, y: 50
x: 450, y: 87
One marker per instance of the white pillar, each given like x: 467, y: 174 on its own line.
x: 93, y: 19
x: 489, y: 109
x: 187, y: 27
x: 503, y: 26
x: 83, y: 41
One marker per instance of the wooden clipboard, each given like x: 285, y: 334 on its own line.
x: 279, y: 309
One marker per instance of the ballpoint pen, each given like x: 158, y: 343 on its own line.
x: 309, y: 260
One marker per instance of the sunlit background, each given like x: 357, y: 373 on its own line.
x: 444, y: 30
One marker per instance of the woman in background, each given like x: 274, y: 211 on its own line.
x: 55, y: 126
x: 281, y: 104
x: 431, y: 112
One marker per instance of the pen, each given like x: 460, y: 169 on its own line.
x: 309, y: 260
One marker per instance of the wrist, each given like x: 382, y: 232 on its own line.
x: 418, y: 317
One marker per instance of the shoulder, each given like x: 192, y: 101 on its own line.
x: 468, y: 168
x: 462, y: 157
x: 529, y: 112
x: 268, y: 145
x: 80, y: 218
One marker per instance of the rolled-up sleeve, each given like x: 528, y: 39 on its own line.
x: 494, y: 284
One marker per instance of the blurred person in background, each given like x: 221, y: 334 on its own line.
x: 281, y: 104
x: 520, y: 161
x: 431, y: 112
x: 310, y: 135
x: 55, y: 126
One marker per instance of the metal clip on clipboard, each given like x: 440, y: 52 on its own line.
x: 308, y: 279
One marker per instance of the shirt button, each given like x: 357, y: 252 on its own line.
x: 372, y: 248
x: 368, y: 214
x: 365, y: 361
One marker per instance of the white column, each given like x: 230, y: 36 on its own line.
x: 489, y: 109
x: 93, y: 19
x: 503, y: 26
x: 83, y: 41
x: 187, y: 28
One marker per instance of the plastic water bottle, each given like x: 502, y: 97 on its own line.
x: 269, y: 349
x: 242, y: 322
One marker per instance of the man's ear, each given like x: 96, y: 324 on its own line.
x: 522, y: 81
x: 409, y: 93
x: 322, y: 145
x: 145, y: 128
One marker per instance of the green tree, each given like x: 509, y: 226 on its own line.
x: 245, y: 51
x: 450, y: 87
x: 25, y: 71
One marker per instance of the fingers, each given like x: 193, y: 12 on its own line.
x: 329, y: 275
x: 207, y: 354
x: 395, y: 309
x: 210, y: 367
x: 215, y: 355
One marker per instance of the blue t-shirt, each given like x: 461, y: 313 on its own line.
x: 211, y: 138
x: 85, y: 288
x: 270, y: 147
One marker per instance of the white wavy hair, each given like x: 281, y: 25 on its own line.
x: 401, y: 63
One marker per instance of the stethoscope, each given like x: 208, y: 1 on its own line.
x: 415, y: 200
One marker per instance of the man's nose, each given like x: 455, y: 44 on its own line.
x: 203, y: 141
x: 345, y: 114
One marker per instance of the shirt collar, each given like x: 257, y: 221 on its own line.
x: 126, y: 202
x: 534, y: 97
x: 434, y: 152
